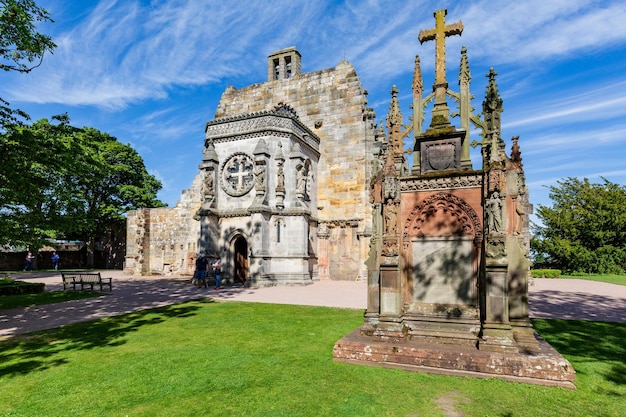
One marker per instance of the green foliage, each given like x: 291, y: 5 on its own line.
x: 74, y: 183
x: 545, y: 273
x: 20, y: 44
x: 585, y: 229
x: 252, y: 359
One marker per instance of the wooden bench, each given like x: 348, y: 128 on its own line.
x: 85, y: 279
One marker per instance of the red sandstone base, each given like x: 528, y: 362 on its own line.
x: 544, y: 367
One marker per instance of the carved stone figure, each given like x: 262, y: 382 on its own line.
x: 493, y: 207
x: 280, y: 176
x: 207, y: 185
x: 259, y: 173
x: 391, y: 218
x: 301, y: 178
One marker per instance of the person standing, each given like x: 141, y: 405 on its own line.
x: 217, y: 270
x: 55, y: 260
x: 29, y: 262
x: 202, y: 265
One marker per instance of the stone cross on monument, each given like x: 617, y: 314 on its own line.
x: 441, y: 113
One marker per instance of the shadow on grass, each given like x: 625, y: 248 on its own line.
x: 37, y: 351
x: 588, y: 341
x: 576, y: 306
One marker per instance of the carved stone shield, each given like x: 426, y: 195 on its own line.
x: 441, y: 155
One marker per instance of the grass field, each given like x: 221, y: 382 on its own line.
x: 611, y: 279
x: 204, y: 358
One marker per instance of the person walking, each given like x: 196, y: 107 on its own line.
x: 217, y: 271
x: 55, y: 260
x: 202, y: 265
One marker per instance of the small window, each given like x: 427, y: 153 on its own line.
x: 288, y: 66
x: 276, y: 69
x: 280, y: 225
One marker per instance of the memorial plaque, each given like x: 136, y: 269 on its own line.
x: 442, y: 270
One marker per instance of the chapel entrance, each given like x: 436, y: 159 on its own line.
x: 241, y: 260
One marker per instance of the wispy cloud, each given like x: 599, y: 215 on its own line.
x: 150, y: 72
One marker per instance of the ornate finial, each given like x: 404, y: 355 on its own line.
x: 492, y: 106
x: 418, y: 84
x: 516, y: 154
x: 464, y: 73
x: 283, y: 108
x: 394, y: 123
x: 380, y: 133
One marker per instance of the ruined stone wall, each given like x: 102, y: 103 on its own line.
x: 333, y: 104
x: 163, y: 241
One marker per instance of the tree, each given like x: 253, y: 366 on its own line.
x: 61, y: 181
x: 35, y: 159
x: 112, y: 180
x: 585, y: 229
x: 21, y: 47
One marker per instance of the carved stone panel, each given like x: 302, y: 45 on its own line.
x: 440, y: 155
x: 237, y: 174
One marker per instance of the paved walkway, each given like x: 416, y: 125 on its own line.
x: 549, y: 298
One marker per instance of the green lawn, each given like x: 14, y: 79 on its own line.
x: 203, y: 358
x: 611, y: 279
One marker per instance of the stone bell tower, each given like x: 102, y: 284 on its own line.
x: 284, y: 64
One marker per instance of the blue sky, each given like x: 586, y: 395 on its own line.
x: 151, y: 72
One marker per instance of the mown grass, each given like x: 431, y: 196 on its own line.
x: 611, y: 279
x: 203, y: 358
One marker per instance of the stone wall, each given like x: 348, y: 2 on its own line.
x: 163, y: 241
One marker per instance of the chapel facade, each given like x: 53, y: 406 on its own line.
x: 282, y: 192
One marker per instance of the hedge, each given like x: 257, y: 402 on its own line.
x: 545, y: 273
x: 11, y: 287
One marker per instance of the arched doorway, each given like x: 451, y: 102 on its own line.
x: 241, y: 260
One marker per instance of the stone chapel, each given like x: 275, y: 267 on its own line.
x: 282, y: 192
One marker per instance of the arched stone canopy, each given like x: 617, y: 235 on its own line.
x: 443, y: 214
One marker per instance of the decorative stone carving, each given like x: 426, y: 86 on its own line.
x: 302, y: 180
x: 391, y: 218
x: 496, y: 250
x: 207, y: 185
x: 441, y: 155
x: 493, y: 207
x: 465, y: 181
x: 259, y: 177
x: 390, y: 248
x: 456, y: 207
x: 237, y: 174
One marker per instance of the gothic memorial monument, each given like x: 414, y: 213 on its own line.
x: 449, y: 253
